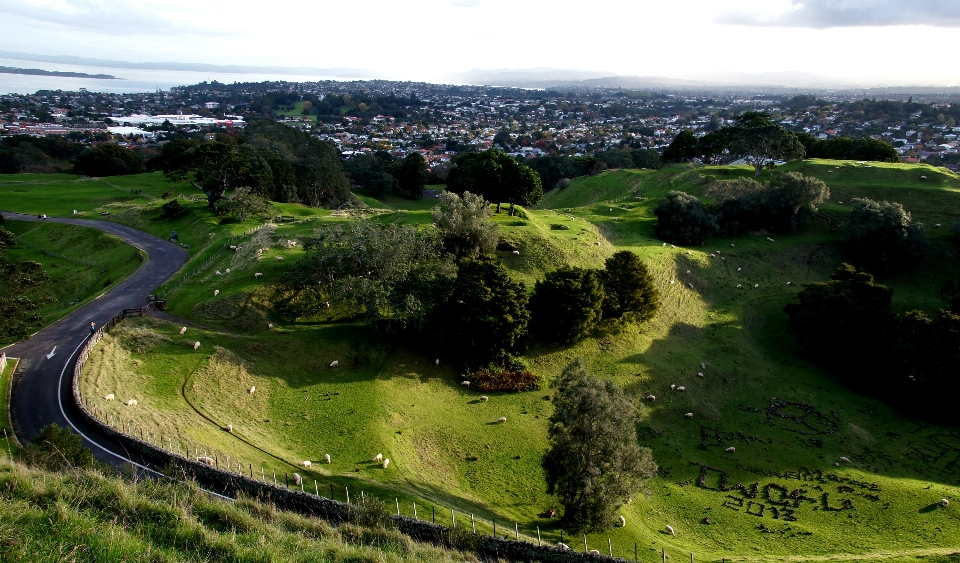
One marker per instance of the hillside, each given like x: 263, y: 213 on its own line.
x: 788, y: 420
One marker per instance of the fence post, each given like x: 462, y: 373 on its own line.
x: 610, y: 546
x: 494, y: 527
x: 636, y: 556
x: 331, y: 491
x: 516, y: 528
x: 316, y: 488
x: 415, y: 517
x: 398, y: 505
x: 663, y: 555
x: 274, y: 477
x: 348, y: 494
x: 584, y: 543
x: 473, y: 524
x: 433, y: 514
x: 540, y: 543
x: 691, y: 557
x: 453, y: 519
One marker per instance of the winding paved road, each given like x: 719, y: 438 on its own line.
x: 42, y: 393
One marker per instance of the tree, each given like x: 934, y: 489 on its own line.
x: 485, y: 318
x: 628, y: 288
x: 243, y: 203
x: 172, y: 209
x: 744, y: 203
x: 683, y: 219
x: 370, y: 173
x: 713, y: 146
x: 108, y: 159
x: 464, y: 223
x: 594, y: 463
x: 761, y: 141
x: 24, y: 289
x: 502, y: 138
x: 881, y: 236
x: 411, y: 175
x: 57, y: 449
x: 684, y: 147
x: 497, y: 177
x: 566, y: 305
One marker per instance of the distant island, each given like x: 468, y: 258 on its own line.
x: 41, y: 72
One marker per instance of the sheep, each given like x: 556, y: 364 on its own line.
x: 436, y: 362
x: 681, y: 388
x: 688, y: 271
x: 378, y: 458
x: 717, y: 251
x: 252, y: 389
x: 673, y: 386
x: 723, y: 257
x: 673, y: 282
x: 732, y: 245
x: 233, y: 247
x: 258, y: 275
x: 501, y: 420
x: 334, y: 363
x: 326, y: 458
x: 671, y: 246
x: 205, y: 459
x: 703, y: 365
x: 651, y: 397
x: 731, y: 450
x: 196, y: 345
x: 840, y: 202
x: 516, y: 253
x: 279, y: 258
x: 465, y: 383
x: 622, y: 521
x: 132, y: 403
x: 183, y: 330
x: 739, y: 285
x: 386, y: 462
x: 688, y: 415
x: 297, y: 479
x: 699, y: 374
x: 937, y: 226
x: 770, y: 239
x: 690, y: 284
x: 562, y: 546
x: 228, y: 270
x: 219, y: 273
x: 109, y: 397
x: 923, y: 177
x: 269, y: 326
x: 788, y: 283
x: 670, y: 530
x: 484, y: 398
x: 845, y: 459
x: 664, y: 244
x: 597, y: 243
x: 216, y: 292
x: 594, y: 552
x: 944, y: 502
x: 228, y: 428
x: 756, y: 285
x: 713, y: 256
x: 307, y: 463
x: 738, y: 269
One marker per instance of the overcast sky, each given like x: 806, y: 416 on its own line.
x: 868, y: 42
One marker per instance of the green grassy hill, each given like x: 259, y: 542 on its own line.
x: 789, y: 421
x: 89, y: 516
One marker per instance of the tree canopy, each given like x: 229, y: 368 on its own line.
x: 882, y: 236
x: 566, y: 304
x: 497, y: 177
x: 464, y: 223
x: 629, y: 292
x: 761, y: 141
x: 683, y: 219
x: 108, y: 159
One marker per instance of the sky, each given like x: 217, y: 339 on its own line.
x: 852, y: 42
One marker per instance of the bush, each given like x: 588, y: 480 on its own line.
x: 566, y: 305
x: 108, y: 159
x: 744, y: 204
x: 882, y: 237
x: 495, y: 379
x: 172, y: 209
x: 683, y: 219
x: 57, y: 449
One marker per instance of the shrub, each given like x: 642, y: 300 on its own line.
x: 57, y: 449
x: 882, y: 237
x: 683, y: 219
x: 566, y: 305
x: 172, y: 209
x: 496, y: 379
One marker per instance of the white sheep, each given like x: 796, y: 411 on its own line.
x: 183, y: 330
x: 664, y: 244
x: 326, y: 458
x: 732, y: 245
x: 252, y: 389
x: 269, y: 326
x: 279, y: 258
x: 688, y: 415
x: 216, y: 292
x: 673, y: 282
x: 681, y: 388
x: 671, y: 246
x: 307, y: 463
x: 673, y: 386
x: 788, y: 283
x: 378, y: 458
x: 297, y: 479
x: 738, y: 269
x: 436, y: 362
x: 205, y: 459
x: 688, y: 271
x: 562, y: 546
x: 699, y: 374
x: 132, y: 403
x: 703, y: 365
x: 229, y: 428
x: 651, y: 397
x: 770, y: 239
x: 109, y: 397
x: 690, y: 284
x: 258, y: 275
x: 845, y: 459
x: 501, y: 420
x: 923, y: 177
x: 516, y: 253
x: 334, y: 363
x: 944, y: 502
x: 731, y: 450
x: 196, y: 345
x: 937, y: 226
x: 228, y: 270
x: 756, y: 285
x: 594, y: 552
x: 233, y: 247
x: 465, y: 383
x: 484, y: 398
x: 597, y: 243
x: 622, y: 521
x: 386, y: 462
x: 670, y: 530
x: 219, y: 273
x: 739, y: 285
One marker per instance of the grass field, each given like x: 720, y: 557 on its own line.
x: 5, y: 374
x: 82, y: 263
x: 789, y: 422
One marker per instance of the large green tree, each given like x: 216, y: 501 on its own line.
x: 762, y: 142
x: 465, y: 225
x: 882, y: 236
x: 566, y: 304
x: 497, y: 177
x: 682, y: 218
x: 24, y: 289
x: 629, y: 291
x: 411, y: 175
x: 108, y: 159
x: 594, y: 463
x: 683, y: 147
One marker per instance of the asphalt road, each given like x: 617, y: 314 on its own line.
x: 42, y: 393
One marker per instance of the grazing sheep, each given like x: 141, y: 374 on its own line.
x: 937, y: 226
x: 788, y: 283
x: 436, y: 362
x: 183, y: 330
x: 297, y: 479
x: 703, y: 365
x: 269, y: 326
x: 723, y: 257
x: 738, y: 269
x: 673, y: 386
x: 651, y: 397
x: 465, y: 383
x: 671, y: 246
x: 228, y: 270
x: 386, y: 462
x: 690, y: 284
x: 840, y: 202
x: 216, y: 292
x: 229, y: 428
x: 378, y: 458
x: 699, y: 374
x: 756, y: 285
x: 688, y: 415
x: 484, y: 398
x: 132, y: 403
x: 109, y: 397
x: 233, y: 247
x: 219, y: 273
x: 923, y: 177
x: 770, y: 239
x: 845, y: 459
x: 670, y: 530
x: 598, y: 243
x: 713, y: 256
x: 673, y: 282
x: 307, y: 463
x: 688, y: 271
x: 594, y: 552
x: 944, y: 502
x: 562, y: 546
x: 739, y: 285
x: 732, y: 245
x: 205, y: 459
x: 622, y: 521
x: 258, y: 275
x: 681, y: 388
x: 731, y: 450
x: 829, y: 171
x: 326, y: 458
x: 516, y: 253
x: 334, y: 363
x: 501, y: 420
x: 252, y: 389
x: 664, y: 244
x: 196, y: 345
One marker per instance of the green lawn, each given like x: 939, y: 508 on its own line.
x: 5, y: 374
x: 397, y: 402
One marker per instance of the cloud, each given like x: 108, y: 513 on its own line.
x: 114, y: 17
x: 824, y: 14
x: 465, y: 3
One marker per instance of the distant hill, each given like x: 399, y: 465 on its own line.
x: 41, y: 72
